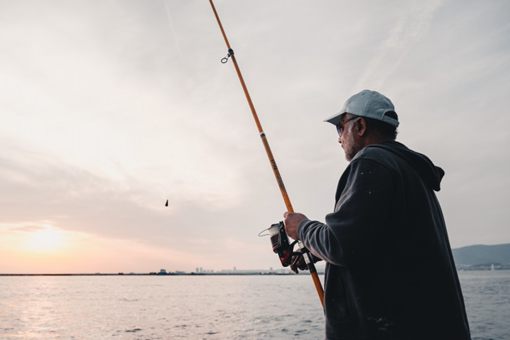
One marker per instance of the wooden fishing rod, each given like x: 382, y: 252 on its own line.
x: 279, y: 180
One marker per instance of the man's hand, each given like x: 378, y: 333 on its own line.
x: 291, y: 222
x: 298, y: 262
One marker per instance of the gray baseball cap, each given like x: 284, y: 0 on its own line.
x: 369, y: 104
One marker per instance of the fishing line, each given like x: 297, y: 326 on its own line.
x: 172, y: 31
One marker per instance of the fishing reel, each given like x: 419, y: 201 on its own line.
x: 284, y: 248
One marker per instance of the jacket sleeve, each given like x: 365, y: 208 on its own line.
x: 352, y: 231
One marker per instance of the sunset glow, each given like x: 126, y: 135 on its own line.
x: 45, y: 240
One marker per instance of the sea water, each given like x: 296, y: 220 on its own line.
x: 202, y: 307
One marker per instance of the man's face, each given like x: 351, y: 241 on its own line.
x: 347, y: 136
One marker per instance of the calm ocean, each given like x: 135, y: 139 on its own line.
x: 202, y: 307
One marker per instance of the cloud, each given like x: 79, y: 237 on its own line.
x: 77, y: 200
x: 408, y: 29
x: 108, y: 109
x: 26, y: 228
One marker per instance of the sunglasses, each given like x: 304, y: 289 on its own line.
x: 340, y: 126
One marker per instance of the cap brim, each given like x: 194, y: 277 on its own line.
x: 335, y: 120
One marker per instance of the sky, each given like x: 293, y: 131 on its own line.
x: 109, y: 108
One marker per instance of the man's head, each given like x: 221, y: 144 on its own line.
x: 366, y: 118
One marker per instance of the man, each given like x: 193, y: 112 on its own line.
x: 390, y: 273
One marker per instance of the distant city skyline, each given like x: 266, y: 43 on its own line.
x: 111, y: 108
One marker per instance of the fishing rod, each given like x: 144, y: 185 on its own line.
x: 279, y: 180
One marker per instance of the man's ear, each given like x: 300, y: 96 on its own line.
x: 361, y: 127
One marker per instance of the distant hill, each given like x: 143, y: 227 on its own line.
x: 478, y: 255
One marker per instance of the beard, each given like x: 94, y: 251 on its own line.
x: 351, y: 147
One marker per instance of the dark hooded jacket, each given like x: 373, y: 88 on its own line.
x: 390, y: 273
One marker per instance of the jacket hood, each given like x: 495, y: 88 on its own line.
x: 430, y: 173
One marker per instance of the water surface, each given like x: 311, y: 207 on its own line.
x: 202, y: 307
